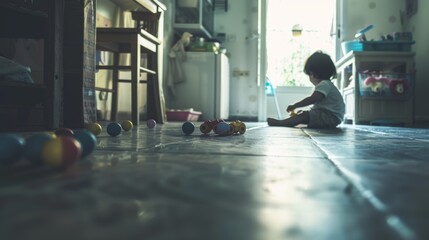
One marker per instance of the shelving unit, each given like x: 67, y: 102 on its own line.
x: 196, y: 17
x: 369, y: 110
x: 37, y: 105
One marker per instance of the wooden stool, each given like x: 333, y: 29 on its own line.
x: 142, y: 40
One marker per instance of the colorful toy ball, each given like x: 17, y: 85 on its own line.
x: 62, y: 152
x: 87, y: 140
x: 188, y: 128
x: 222, y: 128
x: 127, y: 125
x: 34, y: 145
x: 10, y: 148
x: 95, y: 128
x: 64, y: 132
x: 151, y: 123
x: 114, y: 129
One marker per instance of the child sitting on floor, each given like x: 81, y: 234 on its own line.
x: 328, y: 106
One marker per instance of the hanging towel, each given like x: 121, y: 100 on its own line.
x: 176, y: 56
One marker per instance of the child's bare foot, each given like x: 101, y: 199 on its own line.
x: 274, y: 122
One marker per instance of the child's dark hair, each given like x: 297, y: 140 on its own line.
x: 320, y: 65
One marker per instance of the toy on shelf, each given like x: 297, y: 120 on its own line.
x: 237, y: 126
x: 398, y: 86
x: 208, y: 125
x: 377, y: 84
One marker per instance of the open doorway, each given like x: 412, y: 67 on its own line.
x: 294, y: 30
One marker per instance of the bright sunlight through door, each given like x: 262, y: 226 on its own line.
x: 286, y: 54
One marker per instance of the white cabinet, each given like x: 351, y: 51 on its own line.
x: 375, y: 109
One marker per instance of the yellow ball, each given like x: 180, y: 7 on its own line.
x: 61, y: 151
x: 127, y: 125
x: 95, y: 128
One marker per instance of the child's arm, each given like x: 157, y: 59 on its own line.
x: 314, y: 98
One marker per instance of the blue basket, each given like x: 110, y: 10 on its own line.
x: 358, y: 46
x: 348, y: 46
x: 398, y: 46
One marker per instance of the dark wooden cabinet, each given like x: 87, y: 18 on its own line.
x: 33, y: 20
x: 79, y: 63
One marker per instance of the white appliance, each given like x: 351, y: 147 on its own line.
x: 206, y: 85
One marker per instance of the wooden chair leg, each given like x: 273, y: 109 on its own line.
x: 154, y: 101
x: 135, y: 80
x: 115, y: 78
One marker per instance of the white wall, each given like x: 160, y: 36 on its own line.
x: 385, y: 15
x: 240, y: 24
x: 418, y: 24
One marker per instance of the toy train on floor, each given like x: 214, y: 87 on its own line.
x: 219, y: 126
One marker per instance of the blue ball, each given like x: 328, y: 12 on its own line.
x: 87, y: 140
x: 222, y: 128
x: 34, y: 145
x: 188, y: 128
x: 10, y: 148
x: 114, y: 129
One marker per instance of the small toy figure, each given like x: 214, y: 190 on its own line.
x: 398, y: 86
x: 208, y: 125
x: 293, y: 113
x: 176, y: 56
x: 237, y: 127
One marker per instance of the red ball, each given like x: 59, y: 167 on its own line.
x: 64, y: 132
x: 63, y: 151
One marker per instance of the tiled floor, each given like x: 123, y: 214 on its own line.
x: 356, y: 182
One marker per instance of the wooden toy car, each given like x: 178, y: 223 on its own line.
x: 238, y: 126
x: 208, y: 125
